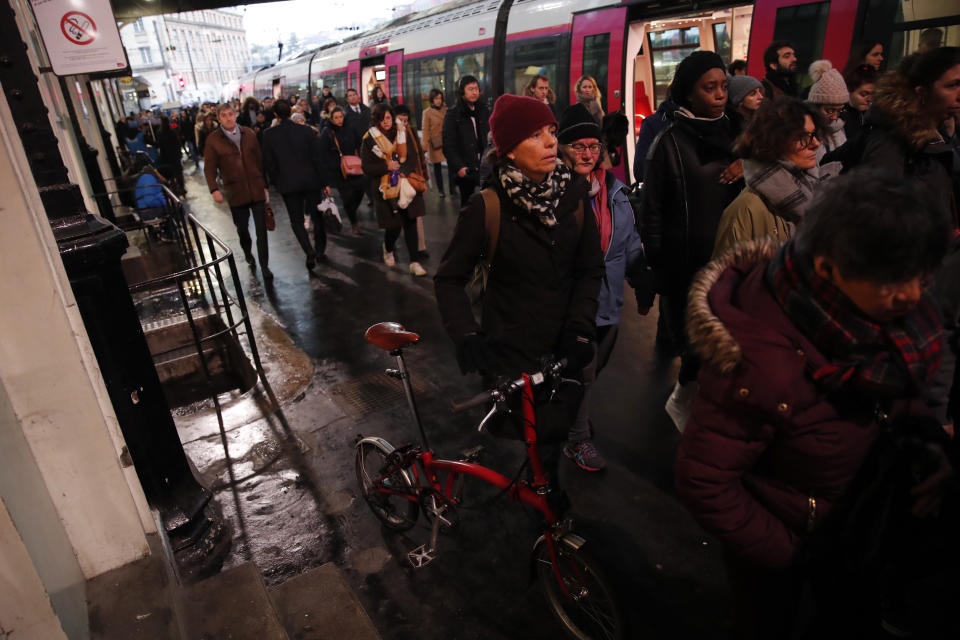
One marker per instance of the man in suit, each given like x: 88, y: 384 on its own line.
x: 358, y: 114
x: 292, y: 158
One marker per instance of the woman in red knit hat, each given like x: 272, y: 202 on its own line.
x: 545, y: 262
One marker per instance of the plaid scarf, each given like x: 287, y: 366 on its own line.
x: 888, y: 358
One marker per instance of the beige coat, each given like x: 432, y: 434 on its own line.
x: 433, y: 132
x: 748, y: 218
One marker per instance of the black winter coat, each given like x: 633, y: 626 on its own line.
x: 542, y: 281
x: 358, y: 122
x: 292, y: 159
x: 683, y: 198
x: 349, y: 146
x: 462, y: 146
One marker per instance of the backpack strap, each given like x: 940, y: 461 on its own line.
x: 491, y: 223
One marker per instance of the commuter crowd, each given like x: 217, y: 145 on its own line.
x: 798, y: 234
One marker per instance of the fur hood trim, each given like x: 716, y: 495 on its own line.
x: 708, y: 335
x: 897, y: 106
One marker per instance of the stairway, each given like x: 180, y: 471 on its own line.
x: 143, y: 601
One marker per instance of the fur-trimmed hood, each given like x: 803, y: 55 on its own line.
x: 897, y: 108
x: 708, y: 335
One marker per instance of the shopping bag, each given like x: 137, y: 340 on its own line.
x: 331, y: 214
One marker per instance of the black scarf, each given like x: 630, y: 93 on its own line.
x: 539, y: 199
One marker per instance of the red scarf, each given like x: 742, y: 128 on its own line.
x: 601, y: 209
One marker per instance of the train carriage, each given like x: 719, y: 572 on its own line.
x: 631, y: 48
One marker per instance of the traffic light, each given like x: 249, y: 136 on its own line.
x: 180, y: 81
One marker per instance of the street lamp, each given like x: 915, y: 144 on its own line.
x: 216, y: 55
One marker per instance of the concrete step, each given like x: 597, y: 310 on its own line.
x: 318, y: 605
x: 135, y: 601
x: 233, y: 605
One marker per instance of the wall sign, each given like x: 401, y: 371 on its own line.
x: 80, y: 36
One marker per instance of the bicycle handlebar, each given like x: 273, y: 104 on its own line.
x: 551, y: 368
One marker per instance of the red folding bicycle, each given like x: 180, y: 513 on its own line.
x: 399, y: 483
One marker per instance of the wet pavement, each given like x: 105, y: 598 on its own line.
x: 286, y: 481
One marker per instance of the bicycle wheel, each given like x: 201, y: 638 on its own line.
x: 588, y: 611
x: 392, y: 498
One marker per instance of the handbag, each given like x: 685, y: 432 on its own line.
x: 268, y: 217
x: 349, y: 165
x: 417, y: 181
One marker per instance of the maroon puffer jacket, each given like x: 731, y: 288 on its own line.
x: 763, y: 438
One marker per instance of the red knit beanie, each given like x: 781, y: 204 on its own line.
x: 516, y: 118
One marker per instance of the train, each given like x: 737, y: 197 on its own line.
x: 631, y: 48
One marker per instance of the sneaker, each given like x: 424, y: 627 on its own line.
x: 585, y: 455
x: 680, y: 403
x: 388, y: 258
x: 417, y: 269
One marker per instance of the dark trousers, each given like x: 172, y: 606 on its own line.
x: 438, y: 176
x: 241, y: 219
x: 673, y: 309
x: 467, y: 185
x: 351, y: 193
x: 297, y: 204
x: 409, y: 235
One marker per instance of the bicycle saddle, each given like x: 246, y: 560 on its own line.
x: 390, y: 336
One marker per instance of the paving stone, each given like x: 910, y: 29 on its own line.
x: 233, y: 605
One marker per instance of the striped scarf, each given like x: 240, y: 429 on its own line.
x: 888, y: 358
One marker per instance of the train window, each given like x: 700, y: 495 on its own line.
x: 805, y: 26
x: 667, y: 49
x: 353, y: 81
x: 533, y: 59
x: 904, y: 43
x: 393, y: 86
x: 469, y: 65
x: 596, y: 57
x: 722, y: 43
x: 430, y: 76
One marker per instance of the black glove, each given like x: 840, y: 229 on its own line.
x: 577, y: 349
x: 473, y: 354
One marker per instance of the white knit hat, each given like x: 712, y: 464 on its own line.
x: 828, y: 86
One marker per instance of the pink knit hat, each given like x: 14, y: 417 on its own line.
x: 828, y: 86
x: 515, y: 118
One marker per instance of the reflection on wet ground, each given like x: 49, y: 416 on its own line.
x: 286, y: 482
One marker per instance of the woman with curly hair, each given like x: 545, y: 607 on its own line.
x: 779, y: 150
x: 903, y: 134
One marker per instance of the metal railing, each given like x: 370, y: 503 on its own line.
x: 204, y: 279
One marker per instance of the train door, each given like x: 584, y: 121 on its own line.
x: 353, y: 76
x: 596, y: 50
x: 393, y: 62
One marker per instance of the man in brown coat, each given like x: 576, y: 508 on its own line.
x: 233, y: 150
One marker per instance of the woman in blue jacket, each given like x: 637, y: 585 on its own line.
x: 579, y: 137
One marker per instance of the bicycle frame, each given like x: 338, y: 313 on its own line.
x: 427, y: 469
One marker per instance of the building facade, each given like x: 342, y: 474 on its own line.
x: 184, y: 57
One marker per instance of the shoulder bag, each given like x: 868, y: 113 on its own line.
x: 349, y: 165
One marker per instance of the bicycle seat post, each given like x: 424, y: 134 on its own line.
x: 411, y: 401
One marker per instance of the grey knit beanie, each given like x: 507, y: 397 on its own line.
x: 739, y: 87
x: 828, y: 86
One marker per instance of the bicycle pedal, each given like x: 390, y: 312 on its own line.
x: 422, y: 556
x: 471, y: 455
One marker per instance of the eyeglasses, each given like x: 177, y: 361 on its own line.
x: 831, y: 111
x: 805, y: 140
x: 579, y: 148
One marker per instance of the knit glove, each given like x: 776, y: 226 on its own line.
x: 473, y: 354
x: 579, y: 350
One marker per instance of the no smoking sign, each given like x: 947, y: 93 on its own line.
x: 79, y: 28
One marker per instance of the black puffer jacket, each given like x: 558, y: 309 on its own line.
x: 541, y: 282
x: 683, y: 198
x: 462, y: 145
